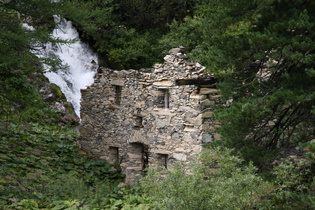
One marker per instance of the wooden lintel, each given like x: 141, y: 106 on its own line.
x: 196, y: 81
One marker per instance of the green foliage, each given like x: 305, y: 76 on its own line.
x: 131, y: 49
x: 156, y: 14
x: 292, y: 175
x: 294, y: 185
x: 219, y: 180
x: 56, y: 91
x: 216, y: 181
x: 129, y: 198
x: 262, y: 52
x: 120, y: 45
x: 310, y: 147
x: 25, y: 204
x: 42, y: 163
x: 40, y: 11
x: 18, y: 66
x: 69, y: 107
x: 126, y: 33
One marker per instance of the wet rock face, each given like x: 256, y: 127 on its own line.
x: 149, y: 117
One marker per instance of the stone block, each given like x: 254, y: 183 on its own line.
x: 205, y: 127
x: 175, y: 136
x: 135, y: 156
x: 103, y: 80
x: 165, y: 152
x: 180, y: 156
x: 188, y: 109
x: 169, y: 58
x: 181, y: 150
x: 85, y: 117
x: 190, y: 129
x: 117, y: 82
x: 195, y: 121
x: 208, y: 91
x: 215, y: 97
x: 165, y: 83
x: 85, y: 92
x: 206, y: 138
x: 163, y: 111
x: 200, y: 97
x: 188, y: 139
x: 175, y: 51
x: 162, y: 123
x: 207, y: 102
x: 144, y: 83
x: 159, y: 70
x: 207, y: 115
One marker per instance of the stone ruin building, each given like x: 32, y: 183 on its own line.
x: 137, y: 118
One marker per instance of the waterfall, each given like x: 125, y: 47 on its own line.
x: 78, y: 59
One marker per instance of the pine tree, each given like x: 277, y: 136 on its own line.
x: 263, y: 52
x: 18, y: 65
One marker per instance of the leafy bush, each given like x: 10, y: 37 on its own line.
x: 294, y: 185
x: 217, y: 180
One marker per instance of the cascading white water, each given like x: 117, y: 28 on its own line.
x: 79, y: 59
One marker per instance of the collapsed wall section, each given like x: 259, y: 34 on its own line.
x: 152, y: 116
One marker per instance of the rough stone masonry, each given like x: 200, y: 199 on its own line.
x: 137, y: 118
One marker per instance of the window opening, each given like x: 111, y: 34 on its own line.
x: 138, y: 122
x: 140, y: 153
x: 162, y: 160
x: 163, y: 99
x: 118, y: 90
x: 113, y: 154
x: 166, y: 99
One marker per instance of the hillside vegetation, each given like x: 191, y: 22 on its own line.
x: 262, y: 53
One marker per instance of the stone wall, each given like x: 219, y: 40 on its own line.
x: 151, y: 116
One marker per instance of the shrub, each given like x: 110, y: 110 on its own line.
x: 294, y: 185
x: 217, y: 180
x: 56, y: 91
